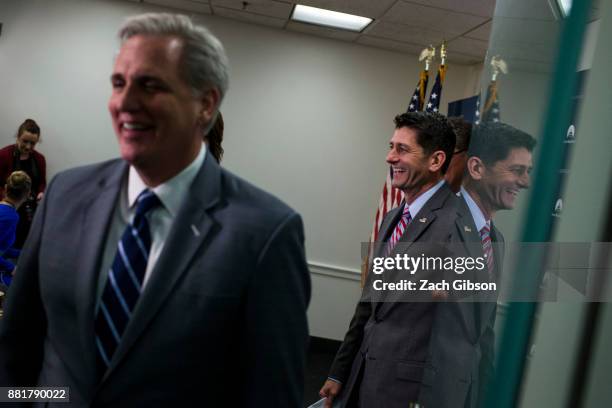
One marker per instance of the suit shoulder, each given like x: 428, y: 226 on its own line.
x: 81, y: 176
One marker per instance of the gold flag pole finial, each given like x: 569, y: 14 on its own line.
x: 428, y: 55
x: 498, y: 65
x: 443, y: 53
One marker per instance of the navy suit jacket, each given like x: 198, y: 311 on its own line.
x: 222, y: 320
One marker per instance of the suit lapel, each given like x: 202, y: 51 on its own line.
x: 469, y: 236
x: 96, y: 218
x: 419, y: 224
x: 191, y: 228
x: 386, y: 229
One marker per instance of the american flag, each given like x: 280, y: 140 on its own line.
x: 418, y: 97
x: 436, y: 92
x: 490, y: 110
x: 390, y: 198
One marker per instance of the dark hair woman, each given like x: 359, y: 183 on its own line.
x: 22, y: 156
x: 214, y: 138
x: 17, y: 191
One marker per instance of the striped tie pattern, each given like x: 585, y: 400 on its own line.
x: 487, y: 248
x: 124, y: 283
x: 399, y: 229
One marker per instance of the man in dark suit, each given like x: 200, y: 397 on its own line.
x: 498, y: 166
x: 382, y: 360
x: 161, y: 279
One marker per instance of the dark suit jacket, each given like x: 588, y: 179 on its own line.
x: 221, y: 322
x: 461, y: 350
x: 384, y: 353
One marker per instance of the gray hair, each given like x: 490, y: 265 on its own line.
x: 204, y: 60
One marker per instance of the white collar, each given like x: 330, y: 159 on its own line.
x: 170, y: 192
x: 477, y: 214
x: 420, y: 201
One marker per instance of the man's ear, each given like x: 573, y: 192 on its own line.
x: 210, y: 103
x: 437, y: 160
x: 475, y: 168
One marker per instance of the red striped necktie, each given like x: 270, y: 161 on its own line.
x: 399, y: 229
x: 487, y: 248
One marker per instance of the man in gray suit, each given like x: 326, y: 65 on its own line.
x: 498, y: 166
x: 161, y: 279
x: 383, y: 360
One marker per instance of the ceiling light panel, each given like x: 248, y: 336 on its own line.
x: 328, y: 18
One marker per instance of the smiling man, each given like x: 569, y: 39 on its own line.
x: 160, y: 279
x: 384, y: 358
x: 498, y: 167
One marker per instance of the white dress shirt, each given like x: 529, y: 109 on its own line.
x: 171, y: 193
x: 420, y: 201
x: 477, y: 214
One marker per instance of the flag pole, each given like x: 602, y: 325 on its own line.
x: 490, y: 110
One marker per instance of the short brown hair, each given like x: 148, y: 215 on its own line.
x: 18, y: 185
x: 463, y: 132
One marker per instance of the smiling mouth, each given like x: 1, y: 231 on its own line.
x: 513, y: 193
x: 135, y: 126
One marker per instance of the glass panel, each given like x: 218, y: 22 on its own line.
x: 541, y: 68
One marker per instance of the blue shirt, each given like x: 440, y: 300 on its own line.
x: 8, y: 225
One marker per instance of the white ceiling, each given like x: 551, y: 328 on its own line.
x: 403, y: 25
x: 399, y: 25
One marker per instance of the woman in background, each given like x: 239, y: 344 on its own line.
x: 17, y: 191
x: 22, y: 156
x: 214, y: 138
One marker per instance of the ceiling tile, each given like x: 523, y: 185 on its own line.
x: 467, y: 46
x: 520, y: 9
x: 483, y: 8
x: 185, y: 5
x: 249, y: 17
x: 416, y: 15
x: 400, y: 32
x: 263, y: 7
x: 403, y: 47
x: 364, y: 8
x: 322, y: 31
x: 481, y: 33
x: 457, y: 58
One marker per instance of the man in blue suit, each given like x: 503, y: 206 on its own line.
x: 160, y: 278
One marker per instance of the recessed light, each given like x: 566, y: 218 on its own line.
x: 328, y: 18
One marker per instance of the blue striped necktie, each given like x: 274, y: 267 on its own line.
x: 124, y: 282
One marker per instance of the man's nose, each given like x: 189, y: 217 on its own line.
x: 391, y: 157
x: 128, y: 99
x: 524, y: 181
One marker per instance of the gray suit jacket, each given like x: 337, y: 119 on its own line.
x: 221, y: 322
x: 384, y: 356
x: 461, y: 350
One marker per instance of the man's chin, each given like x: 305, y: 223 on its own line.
x: 508, y: 205
x: 134, y: 158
